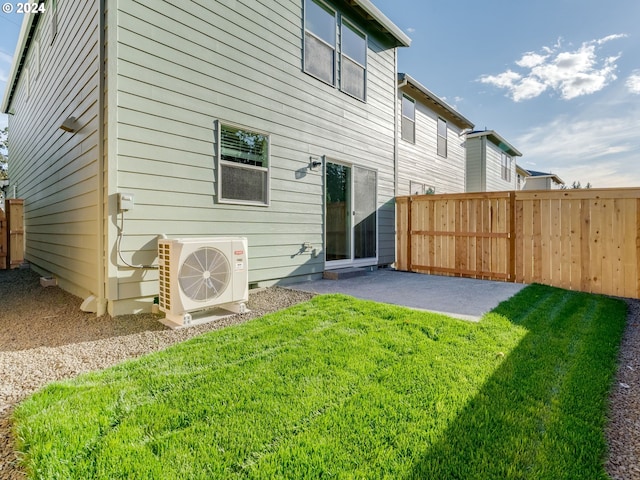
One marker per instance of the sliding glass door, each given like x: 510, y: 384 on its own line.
x: 350, y: 217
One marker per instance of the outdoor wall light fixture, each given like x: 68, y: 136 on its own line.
x: 69, y: 125
x: 314, y: 162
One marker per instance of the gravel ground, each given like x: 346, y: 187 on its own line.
x: 60, y: 341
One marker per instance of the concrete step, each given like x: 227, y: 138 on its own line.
x: 342, y: 273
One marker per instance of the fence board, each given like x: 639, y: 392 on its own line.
x: 15, y: 227
x: 585, y: 240
x: 4, y: 237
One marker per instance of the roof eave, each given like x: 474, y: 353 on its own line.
x: 497, y: 140
x: 402, y: 40
x: 553, y: 177
x: 18, y: 60
x: 460, y: 120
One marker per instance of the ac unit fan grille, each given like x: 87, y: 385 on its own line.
x: 204, y: 275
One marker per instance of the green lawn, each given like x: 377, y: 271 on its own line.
x: 343, y: 388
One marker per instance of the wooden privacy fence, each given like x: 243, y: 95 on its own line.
x: 12, y: 234
x: 586, y: 240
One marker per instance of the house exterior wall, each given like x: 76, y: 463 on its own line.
x: 179, y: 73
x: 484, y: 167
x: 419, y: 162
x: 476, y: 171
x: 494, y: 180
x: 534, y: 183
x: 56, y: 172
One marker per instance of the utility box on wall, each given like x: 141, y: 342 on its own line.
x: 14, y: 232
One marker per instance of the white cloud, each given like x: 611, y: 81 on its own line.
x: 569, y: 73
x: 633, y: 82
x: 600, y: 150
x: 530, y: 60
x: 611, y: 37
x: 411, y: 30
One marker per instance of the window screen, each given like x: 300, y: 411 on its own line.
x: 442, y: 137
x: 243, y: 166
x: 408, y: 126
x: 320, y: 41
x: 354, y: 59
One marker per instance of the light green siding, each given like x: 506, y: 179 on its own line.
x: 54, y: 171
x: 484, y: 167
x: 241, y: 63
x: 495, y: 182
x: 476, y: 172
x: 419, y: 162
x: 148, y: 83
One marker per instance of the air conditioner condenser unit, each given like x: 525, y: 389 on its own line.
x: 202, y: 279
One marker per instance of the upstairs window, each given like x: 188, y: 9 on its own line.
x: 53, y: 7
x: 353, y: 61
x: 329, y: 60
x: 442, y: 138
x: 243, y: 166
x: 320, y: 41
x: 408, y: 127
x: 506, y: 167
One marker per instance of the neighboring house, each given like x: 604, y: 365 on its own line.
x: 431, y: 152
x: 270, y: 120
x: 532, y: 180
x: 491, y: 164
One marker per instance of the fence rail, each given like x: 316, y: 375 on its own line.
x: 585, y: 240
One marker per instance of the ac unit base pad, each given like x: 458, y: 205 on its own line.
x: 192, y: 319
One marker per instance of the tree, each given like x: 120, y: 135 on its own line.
x: 576, y: 185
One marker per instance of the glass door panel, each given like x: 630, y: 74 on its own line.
x: 338, y: 214
x: 364, y: 218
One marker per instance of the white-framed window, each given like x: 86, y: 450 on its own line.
x: 353, y: 61
x: 442, y: 137
x: 27, y: 82
x: 505, y: 161
x: 320, y: 41
x: 335, y: 62
x: 53, y: 8
x: 408, y: 126
x: 243, y: 165
x: 35, y: 60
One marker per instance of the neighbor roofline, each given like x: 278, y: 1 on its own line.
x: 29, y: 22
x: 552, y: 176
x: 497, y: 140
x: 380, y: 18
x: 406, y: 79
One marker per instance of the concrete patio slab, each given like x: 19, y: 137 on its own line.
x: 464, y: 298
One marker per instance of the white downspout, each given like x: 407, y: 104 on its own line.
x: 101, y: 301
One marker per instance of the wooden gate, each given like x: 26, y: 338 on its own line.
x: 12, y: 234
x: 456, y: 234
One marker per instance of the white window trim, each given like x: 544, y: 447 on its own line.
x: 342, y: 54
x: 335, y: 48
x: 506, y: 164
x: 413, y: 120
x: 445, y: 137
x: 340, y: 19
x: 54, y: 20
x: 220, y: 162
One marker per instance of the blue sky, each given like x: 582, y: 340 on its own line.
x: 559, y: 79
